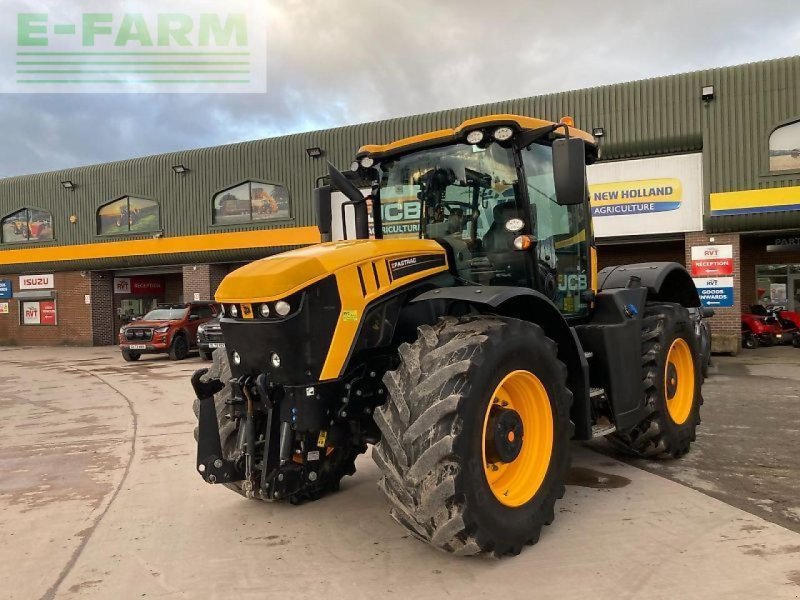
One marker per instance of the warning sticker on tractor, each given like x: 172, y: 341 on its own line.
x: 323, y: 437
x: 350, y: 315
x: 313, y: 455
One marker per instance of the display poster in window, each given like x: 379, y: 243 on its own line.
x: 777, y: 293
x: 27, y: 225
x: 784, y: 148
x: 47, y: 308
x: 4, y: 308
x: 31, y: 313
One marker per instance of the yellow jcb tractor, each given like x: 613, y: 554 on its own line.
x: 468, y: 356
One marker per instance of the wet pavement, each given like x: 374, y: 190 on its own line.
x: 99, y: 498
x: 748, y: 449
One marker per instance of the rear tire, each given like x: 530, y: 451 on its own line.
x: 796, y: 341
x: 129, y: 356
x: 670, y: 427
x: 434, y: 451
x: 179, y: 349
x: 750, y: 342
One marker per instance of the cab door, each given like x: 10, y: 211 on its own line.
x: 562, y: 261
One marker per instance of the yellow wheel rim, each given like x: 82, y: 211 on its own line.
x: 515, y: 481
x: 679, y: 381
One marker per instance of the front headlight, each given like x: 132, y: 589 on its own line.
x: 163, y: 329
x: 282, y: 308
x: 121, y: 330
x: 201, y: 329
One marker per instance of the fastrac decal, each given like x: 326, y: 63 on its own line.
x: 403, y: 267
x: 635, y: 197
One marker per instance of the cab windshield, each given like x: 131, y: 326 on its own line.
x: 165, y: 314
x: 449, y: 191
x: 465, y: 196
x: 472, y: 199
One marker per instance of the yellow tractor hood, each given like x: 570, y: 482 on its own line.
x: 278, y: 276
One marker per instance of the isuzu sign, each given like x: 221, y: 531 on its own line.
x: 36, y: 282
x: 712, y: 261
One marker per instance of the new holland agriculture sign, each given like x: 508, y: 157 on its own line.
x: 134, y: 46
x: 647, y: 196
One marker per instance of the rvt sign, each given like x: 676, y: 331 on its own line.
x: 715, y: 292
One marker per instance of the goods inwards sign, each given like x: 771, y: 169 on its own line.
x: 181, y: 46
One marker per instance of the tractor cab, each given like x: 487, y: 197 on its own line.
x: 488, y: 193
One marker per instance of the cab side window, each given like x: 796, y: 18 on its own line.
x: 561, y: 234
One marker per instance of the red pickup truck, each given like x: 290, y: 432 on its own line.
x: 167, y: 329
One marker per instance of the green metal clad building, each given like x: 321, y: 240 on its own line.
x: 170, y: 226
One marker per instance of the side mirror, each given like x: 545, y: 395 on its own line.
x: 706, y: 313
x: 322, y: 209
x: 569, y: 171
x: 194, y: 317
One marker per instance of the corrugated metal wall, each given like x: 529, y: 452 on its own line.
x: 643, y: 118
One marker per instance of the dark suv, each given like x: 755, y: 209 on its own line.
x: 167, y: 329
x: 209, y: 338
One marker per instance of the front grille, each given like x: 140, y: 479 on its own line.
x: 214, y: 335
x: 137, y: 335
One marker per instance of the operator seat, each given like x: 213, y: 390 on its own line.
x: 498, y: 243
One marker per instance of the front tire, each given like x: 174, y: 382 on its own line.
x: 451, y: 480
x: 129, y: 356
x: 179, y: 349
x: 672, y: 385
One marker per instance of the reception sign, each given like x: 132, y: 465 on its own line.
x: 647, y: 196
x: 710, y: 261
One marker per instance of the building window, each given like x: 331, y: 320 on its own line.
x: 27, y: 225
x: 784, y: 148
x: 251, y: 201
x: 128, y: 215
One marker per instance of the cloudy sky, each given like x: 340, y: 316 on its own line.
x: 337, y: 62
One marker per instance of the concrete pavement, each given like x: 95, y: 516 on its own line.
x: 99, y: 499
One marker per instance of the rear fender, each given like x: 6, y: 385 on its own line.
x: 665, y: 281
x: 528, y: 305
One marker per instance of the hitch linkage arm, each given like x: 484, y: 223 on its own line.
x: 211, y: 463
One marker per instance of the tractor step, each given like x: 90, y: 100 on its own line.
x: 602, y: 428
x: 596, y: 392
